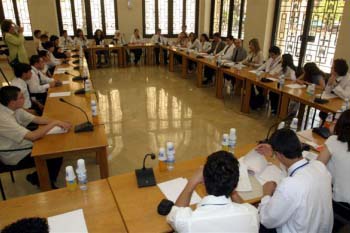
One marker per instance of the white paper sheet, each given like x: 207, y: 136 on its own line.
x: 271, y: 173
x: 173, y: 188
x: 255, y: 161
x: 73, y: 221
x: 65, y: 82
x: 57, y: 130
x: 59, y: 71
x: 327, y: 96
x: 310, y: 155
x: 59, y: 94
x: 244, y: 184
x: 295, y: 86
x: 64, y: 69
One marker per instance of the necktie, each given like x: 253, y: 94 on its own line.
x: 159, y: 39
x: 235, y: 56
x: 227, y: 49
x: 30, y: 94
x: 41, y: 81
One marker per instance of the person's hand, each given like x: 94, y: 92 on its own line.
x: 63, y: 125
x: 53, y: 83
x: 331, y: 80
x: 197, y: 178
x: 58, y: 83
x: 264, y: 149
x: 269, y: 188
x: 20, y: 30
x: 235, y: 197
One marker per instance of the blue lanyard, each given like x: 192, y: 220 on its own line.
x: 291, y: 174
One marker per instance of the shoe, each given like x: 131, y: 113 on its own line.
x: 53, y: 186
x: 33, y: 178
x: 273, y: 112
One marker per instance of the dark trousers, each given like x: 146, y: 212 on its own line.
x: 53, y: 165
x: 99, y: 56
x: 265, y: 230
x: 165, y: 55
x: 208, y: 73
x: 274, y: 99
x: 137, y: 53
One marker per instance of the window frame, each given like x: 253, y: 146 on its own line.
x: 230, y: 17
x: 18, y: 21
x: 90, y: 33
x: 170, y: 18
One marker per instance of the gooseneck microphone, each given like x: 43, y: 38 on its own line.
x: 145, y: 176
x: 76, y: 78
x: 83, y: 127
x: 320, y: 100
x: 289, y: 117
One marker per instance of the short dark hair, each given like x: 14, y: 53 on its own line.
x: 340, y: 67
x: 34, y: 59
x: 221, y: 173
x: 64, y: 31
x: 42, y: 53
x: 216, y: 34
x: 44, y: 36
x: 205, y: 36
x: 21, y: 68
x: 36, y: 32
x: 6, y: 24
x: 286, y: 142
x: 342, y: 128
x: 230, y: 37
x: 53, y: 38
x: 8, y: 94
x: 48, y: 44
x: 275, y: 50
x: 28, y: 225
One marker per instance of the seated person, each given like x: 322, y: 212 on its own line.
x: 28, y: 225
x: 43, y: 39
x: 65, y: 41
x: 339, y: 82
x: 193, y: 44
x: 205, y: 43
x: 81, y: 41
x: 100, y: 41
x: 58, y: 51
x: 118, y: 38
x: 50, y: 48
x: 304, y: 195
x: 39, y: 83
x: 273, y: 64
x: 135, y: 39
x: 182, y: 40
x: 49, y: 68
x: 336, y: 155
x: 14, y: 135
x: 312, y: 75
x: 217, y: 45
x: 239, y: 53
x: 23, y: 72
x: 222, y: 210
x: 255, y: 57
x: 158, y: 38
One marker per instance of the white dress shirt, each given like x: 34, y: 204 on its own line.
x: 302, y: 202
x: 133, y: 39
x: 12, y: 132
x: 205, y: 47
x: 341, y: 88
x: 255, y: 59
x: 80, y: 42
x: 53, y: 60
x: 21, y: 84
x: 39, y: 83
x: 271, y: 66
x: 159, y: 39
x: 196, y: 44
x: 339, y: 165
x: 66, y: 42
x: 215, y: 214
x: 289, y: 73
x: 227, y: 52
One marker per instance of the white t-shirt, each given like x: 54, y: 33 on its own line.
x: 21, y: 84
x: 339, y: 167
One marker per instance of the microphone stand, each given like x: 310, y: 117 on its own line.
x: 320, y: 100
x: 145, y: 176
x: 290, y: 115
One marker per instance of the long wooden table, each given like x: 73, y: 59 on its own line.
x: 61, y: 145
x: 138, y: 206
x: 100, y: 209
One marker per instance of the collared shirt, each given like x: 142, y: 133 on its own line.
x: 39, y: 83
x: 227, y: 52
x: 81, y: 42
x: 339, y: 165
x: 12, y: 132
x: 256, y: 59
x: 205, y: 47
x: 66, y: 42
x: 239, y: 54
x: 133, y: 39
x: 341, y: 87
x: 302, y: 202
x: 21, y: 84
x: 272, y: 66
x: 215, y: 214
x: 196, y: 44
x: 159, y: 39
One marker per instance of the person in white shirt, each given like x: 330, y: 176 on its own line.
x: 222, y: 210
x: 80, y: 39
x: 43, y: 39
x: 16, y: 141
x: 49, y: 47
x: 193, y: 42
x: 302, y: 202
x: 273, y: 64
x: 255, y: 57
x: 227, y: 52
x: 23, y: 72
x: 65, y: 41
x: 49, y: 67
x: 119, y: 38
x: 339, y: 82
x: 336, y: 155
x: 135, y: 39
x: 158, y: 39
x: 205, y: 43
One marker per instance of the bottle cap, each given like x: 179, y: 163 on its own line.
x: 93, y: 102
x: 225, y: 139
x: 161, y: 155
x: 81, y: 166
x: 281, y: 125
x: 232, y: 132
x: 170, y: 148
x: 70, y: 173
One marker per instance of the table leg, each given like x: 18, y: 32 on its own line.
x: 171, y: 61
x: 219, y: 84
x: 184, y: 66
x: 284, y: 106
x: 161, y: 55
x: 121, y: 57
x: 245, y: 106
x: 301, y: 115
x: 43, y: 173
x: 238, y: 87
x: 93, y: 58
x: 199, y: 74
x: 102, y: 159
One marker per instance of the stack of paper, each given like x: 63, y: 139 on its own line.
x: 244, y: 184
x: 59, y: 94
x: 173, y: 188
x: 295, y: 86
x: 73, y: 221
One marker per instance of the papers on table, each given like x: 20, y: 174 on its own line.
x: 59, y: 71
x: 59, y: 94
x: 255, y: 71
x: 244, y: 184
x: 63, y: 69
x: 57, y: 130
x: 270, y: 173
x: 73, y: 221
x: 65, y: 82
x: 310, y: 155
x: 327, y: 96
x: 295, y: 86
x: 173, y: 188
x: 255, y: 162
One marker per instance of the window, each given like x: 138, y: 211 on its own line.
x: 17, y: 11
x: 308, y: 30
x: 227, y: 17
x: 170, y: 16
x: 88, y: 16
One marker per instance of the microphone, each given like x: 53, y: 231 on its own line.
x: 145, y: 176
x: 289, y: 117
x: 83, y: 127
x: 76, y: 78
x: 320, y: 100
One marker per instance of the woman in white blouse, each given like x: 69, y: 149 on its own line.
x: 135, y: 39
x: 205, y: 43
x: 336, y: 155
x: 193, y: 42
x: 80, y: 39
x: 255, y: 57
x: 118, y: 38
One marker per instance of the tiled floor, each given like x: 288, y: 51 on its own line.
x: 144, y: 107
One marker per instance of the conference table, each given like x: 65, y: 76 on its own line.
x: 93, y: 49
x: 97, y: 202
x: 67, y: 144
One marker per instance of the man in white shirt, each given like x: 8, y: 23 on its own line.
x: 227, y: 52
x: 273, y: 64
x: 302, y: 202
x: 16, y: 140
x: 66, y: 41
x: 222, y: 209
x: 339, y: 82
x: 158, y: 39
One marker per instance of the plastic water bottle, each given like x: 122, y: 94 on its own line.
x: 281, y: 125
x: 224, y: 142
x: 71, y: 181
x: 311, y: 89
x: 329, y: 121
x: 81, y: 172
x: 162, y: 160
x: 281, y: 81
x: 170, y: 153
x: 294, y: 124
x: 87, y: 87
x: 219, y: 61
x: 94, y: 108
x: 232, y: 140
x: 347, y: 104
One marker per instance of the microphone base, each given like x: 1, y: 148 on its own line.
x: 80, y: 91
x: 145, y: 177
x: 76, y: 68
x: 78, y: 78
x: 320, y: 101
x: 75, y: 61
x: 84, y: 127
